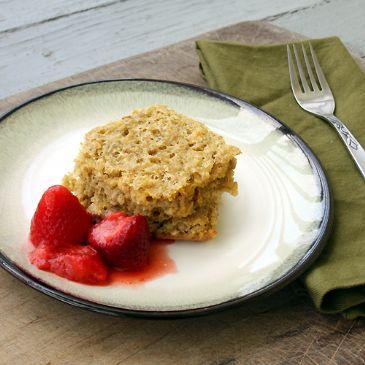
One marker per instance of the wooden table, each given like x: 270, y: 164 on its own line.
x: 282, y: 329
x: 45, y: 40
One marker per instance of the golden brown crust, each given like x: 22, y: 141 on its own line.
x: 158, y: 163
x: 207, y: 236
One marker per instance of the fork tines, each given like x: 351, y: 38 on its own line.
x: 303, y: 86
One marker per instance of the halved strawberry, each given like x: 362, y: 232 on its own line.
x: 59, y: 218
x: 77, y: 263
x: 123, y: 241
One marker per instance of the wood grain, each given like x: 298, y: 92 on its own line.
x: 16, y: 14
x: 282, y: 329
x: 164, y: 63
x: 342, y: 18
x: 45, y: 40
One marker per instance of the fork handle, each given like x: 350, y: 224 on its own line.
x: 354, y: 147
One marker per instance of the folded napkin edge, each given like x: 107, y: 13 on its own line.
x: 203, y: 41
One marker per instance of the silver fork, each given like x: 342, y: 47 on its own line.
x: 318, y: 99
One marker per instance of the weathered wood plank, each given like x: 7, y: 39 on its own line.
x: 15, y: 14
x: 164, y: 63
x: 46, y: 51
x: 337, y: 17
x: 280, y: 330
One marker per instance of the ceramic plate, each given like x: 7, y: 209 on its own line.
x: 268, y: 234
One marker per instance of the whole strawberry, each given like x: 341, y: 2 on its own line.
x: 123, y: 241
x: 59, y: 218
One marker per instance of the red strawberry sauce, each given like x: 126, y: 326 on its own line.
x: 118, y: 248
x: 160, y: 263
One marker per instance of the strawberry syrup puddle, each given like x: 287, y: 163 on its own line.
x: 72, y: 244
x: 160, y: 264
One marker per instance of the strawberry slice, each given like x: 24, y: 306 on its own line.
x: 77, y: 263
x: 59, y: 218
x: 123, y: 241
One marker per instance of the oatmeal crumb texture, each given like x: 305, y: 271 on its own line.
x: 158, y: 163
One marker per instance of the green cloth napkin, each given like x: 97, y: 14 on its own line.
x: 259, y: 74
